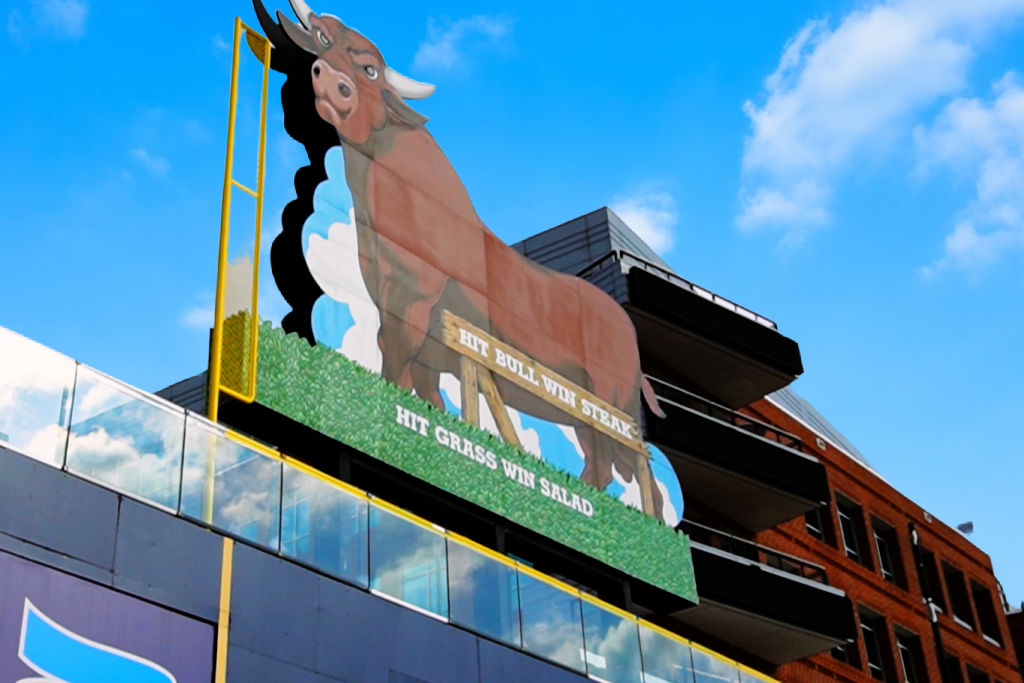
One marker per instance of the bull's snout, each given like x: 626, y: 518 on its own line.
x: 332, y: 84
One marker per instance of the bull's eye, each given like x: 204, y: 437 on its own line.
x: 371, y: 71
x: 322, y: 37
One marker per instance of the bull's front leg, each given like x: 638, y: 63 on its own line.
x: 394, y: 348
x: 401, y: 337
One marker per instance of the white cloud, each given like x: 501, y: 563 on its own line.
x: 157, y: 166
x: 56, y: 18
x: 847, y: 94
x: 448, y: 41
x: 652, y: 215
x: 985, y: 140
x: 199, y: 317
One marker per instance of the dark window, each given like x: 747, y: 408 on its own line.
x: 851, y: 523
x: 908, y: 646
x: 887, y: 545
x: 928, y: 575
x: 812, y: 520
x: 987, y: 618
x: 953, y: 670
x: 958, y: 600
x: 975, y: 675
x: 846, y: 653
x: 876, y: 646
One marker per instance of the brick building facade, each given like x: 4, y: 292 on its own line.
x: 865, y: 540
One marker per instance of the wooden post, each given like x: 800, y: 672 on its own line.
x: 470, y: 392
x: 497, y: 406
x: 645, y: 478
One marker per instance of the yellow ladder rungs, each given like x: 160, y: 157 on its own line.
x: 242, y: 187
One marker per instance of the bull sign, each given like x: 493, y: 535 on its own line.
x: 383, y: 257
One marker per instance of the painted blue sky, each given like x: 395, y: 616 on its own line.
x: 850, y: 170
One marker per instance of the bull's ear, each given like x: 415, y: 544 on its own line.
x: 402, y: 111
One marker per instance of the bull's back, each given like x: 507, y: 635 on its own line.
x: 562, y: 321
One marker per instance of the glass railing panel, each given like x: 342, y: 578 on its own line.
x: 124, y: 439
x: 35, y: 395
x: 665, y: 660
x: 230, y: 486
x: 552, y: 623
x: 483, y: 594
x: 612, y: 645
x: 708, y: 668
x: 324, y: 526
x: 408, y: 562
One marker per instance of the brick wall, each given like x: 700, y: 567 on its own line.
x: 892, y: 606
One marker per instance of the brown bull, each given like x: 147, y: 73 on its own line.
x: 424, y: 250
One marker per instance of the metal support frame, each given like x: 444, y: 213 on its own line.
x: 261, y: 47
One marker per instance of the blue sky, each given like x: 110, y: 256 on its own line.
x: 850, y: 170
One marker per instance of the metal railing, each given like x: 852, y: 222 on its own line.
x: 90, y: 425
x: 682, y: 398
x: 741, y: 547
x: 628, y: 261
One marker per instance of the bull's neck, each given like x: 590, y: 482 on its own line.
x: 409, y: 156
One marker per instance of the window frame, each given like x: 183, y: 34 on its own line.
x: 927, y: 573
x: 953, y: 668
x: 818, y: 531
x: 988, y: 618
x: 956, y: 588
x: 908, y: 645
x: 875, y: 631
x: 976, y: 675
x: 884, y: 536
x: 853, y: 513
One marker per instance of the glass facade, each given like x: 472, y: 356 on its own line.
x: 552, y: 625
x: 408, y: 562
x: 35, y: 396
x: 77, y: 419
x: 324, y: 526
x: 665, y: 659
x: 230, y: 486
x: 122, y: 438
x: 612, y: 644
x: 483, y: 594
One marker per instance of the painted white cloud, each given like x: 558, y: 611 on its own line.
x: 55, y: 18
x: 631, y: 497
x: 986, y: 140
x: 846, y: 94
x: 334, y: 264
x: 449, y: 41
x: 652, y: 215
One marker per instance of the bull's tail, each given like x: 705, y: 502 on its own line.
x: 650, y: 397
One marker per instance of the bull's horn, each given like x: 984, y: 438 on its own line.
x: 407, y: 87
x: 302, y: 12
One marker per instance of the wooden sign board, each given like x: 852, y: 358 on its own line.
x: 474, y: 344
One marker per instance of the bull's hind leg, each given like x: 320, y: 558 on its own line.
x: 426, y: 382
x: 597, y: 462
